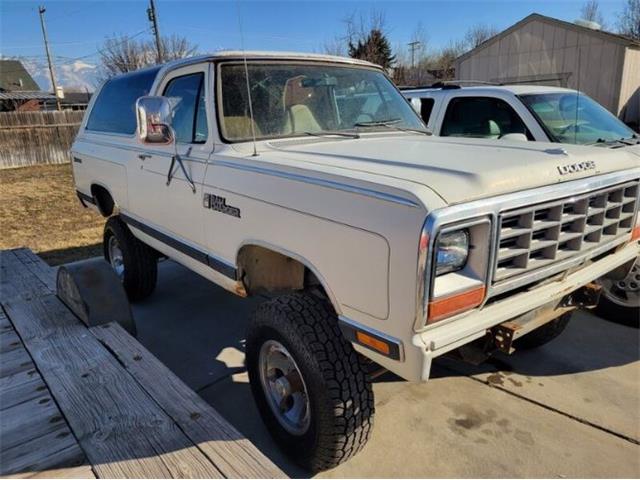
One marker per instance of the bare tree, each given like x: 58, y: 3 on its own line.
x: 629, y: 19
x: 479, y: 33
x: 443, y: 65
x: 124, y: 54
x: 591, y: 11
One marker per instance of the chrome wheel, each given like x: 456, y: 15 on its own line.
x: 284, y: 387
x: 115, y: 256
x: 625, y: 292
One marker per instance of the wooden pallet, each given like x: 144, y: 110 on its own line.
x: 76, y: 401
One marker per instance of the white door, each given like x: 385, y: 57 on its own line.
x: 165, y: 197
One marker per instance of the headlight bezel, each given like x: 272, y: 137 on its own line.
x: 476, y: 267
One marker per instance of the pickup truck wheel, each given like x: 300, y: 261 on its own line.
x: 134, y: 262
x: 620, y: 300
x: 309, y: 384
x: 544, y: 334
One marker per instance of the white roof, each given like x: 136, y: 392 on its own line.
x: 515, y: 89
x: 266, y: 55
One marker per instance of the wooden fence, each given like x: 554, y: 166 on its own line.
x: 33, y: 138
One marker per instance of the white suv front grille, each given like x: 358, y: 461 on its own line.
x: 533, y: 237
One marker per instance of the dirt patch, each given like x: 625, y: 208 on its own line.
x: 39, y: 210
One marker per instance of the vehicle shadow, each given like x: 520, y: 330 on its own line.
x: 197, y: 330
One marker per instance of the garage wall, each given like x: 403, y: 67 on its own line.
x: 549, y: 53
x: 629, y: 105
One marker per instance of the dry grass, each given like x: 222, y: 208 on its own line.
x: 39, y: 210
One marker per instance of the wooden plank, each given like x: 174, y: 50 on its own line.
x: 81, y: 471
x: 16, y: 281
x: 122, y: 430
x: 15, y: 361
x: 19, y: 388
x: 56, y: 449
x: 9, y: 340
x: 5, y: 324
x: 232, y: 453
x: 28, y: 420
x: 38, y: 267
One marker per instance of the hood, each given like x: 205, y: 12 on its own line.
x: 458, y: 170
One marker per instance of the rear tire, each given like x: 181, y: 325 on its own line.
x: 326, y: 372
x: 544, y: 334
x: 134, y: 262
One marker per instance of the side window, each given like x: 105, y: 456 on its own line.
x: 426, y: 107
x: 189, y: 115
x: 481, y: 117
x: 114, y: 109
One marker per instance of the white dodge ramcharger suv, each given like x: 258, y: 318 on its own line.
x: 535, y: 113
x: 310, y: 179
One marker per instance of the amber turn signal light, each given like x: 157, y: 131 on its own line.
x: 374, y: 343
x: 442, y: 308
x: 635, y: 233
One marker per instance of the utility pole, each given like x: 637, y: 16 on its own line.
x: 414, y: 46
x: 41, y: 11
x: 153, y: 18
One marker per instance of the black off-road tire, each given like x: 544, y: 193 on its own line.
x: 544, y: 334
x: 629, y: 316
x: 140, y: 260
x: 340, y: 393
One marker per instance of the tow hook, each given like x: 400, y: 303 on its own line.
x: 586, y: 297
x: 505, y: 334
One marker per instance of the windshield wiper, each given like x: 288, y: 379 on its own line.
x: 391, y: 125
x: 619, y: 143
x: 332, y: 133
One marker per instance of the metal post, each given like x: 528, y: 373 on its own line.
x: 153, y: 18
x: 41, y: 11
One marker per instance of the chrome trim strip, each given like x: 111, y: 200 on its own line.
x: 217, y: 264
x: 349, y: 328
x: 323, y: 183
x: 491, y: 207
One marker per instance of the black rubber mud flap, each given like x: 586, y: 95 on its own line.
x: 93, y: 291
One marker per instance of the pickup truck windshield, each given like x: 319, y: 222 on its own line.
x: 293, y: 99
x: 572, y: 118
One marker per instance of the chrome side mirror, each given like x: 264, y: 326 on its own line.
x: 154, y: 116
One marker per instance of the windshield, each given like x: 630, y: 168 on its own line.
x: 572, y: 118
x: 293, y: 99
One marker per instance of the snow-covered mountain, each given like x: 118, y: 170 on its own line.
x: 76, y: 75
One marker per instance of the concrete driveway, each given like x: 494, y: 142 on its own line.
x: 569, y: 409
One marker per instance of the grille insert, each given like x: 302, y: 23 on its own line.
x: 536, y: 236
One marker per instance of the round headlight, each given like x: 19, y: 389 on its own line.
x: 452, y: 251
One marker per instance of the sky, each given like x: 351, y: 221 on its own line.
x: 77, y: 28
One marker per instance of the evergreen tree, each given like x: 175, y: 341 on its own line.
x: 374, y: 48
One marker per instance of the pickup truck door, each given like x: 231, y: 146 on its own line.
x: 163, y: 196
x: 507, y: 99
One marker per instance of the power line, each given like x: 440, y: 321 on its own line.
x: 153, y: 18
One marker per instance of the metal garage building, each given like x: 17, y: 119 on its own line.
x: 546, y: 51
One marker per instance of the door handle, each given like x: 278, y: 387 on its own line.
x: 144, y: 156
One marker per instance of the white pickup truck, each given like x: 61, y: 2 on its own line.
x: 311, y: 179
x: 535, y: 113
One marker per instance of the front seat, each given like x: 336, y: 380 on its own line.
x: 239, y: 128
x: 298, y: 116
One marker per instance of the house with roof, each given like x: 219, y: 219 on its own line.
x: 542, y: 50
x: 18, y: 90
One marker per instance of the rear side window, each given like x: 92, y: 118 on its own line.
x: 189, y: 111
x: 481, y: 117
x: 114, y: 110
x: 426, y: 107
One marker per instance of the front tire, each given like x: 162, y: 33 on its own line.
x: 309, y: 384
x: 544, y: 334
x: 620, y: 299
x: 135, y: 263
